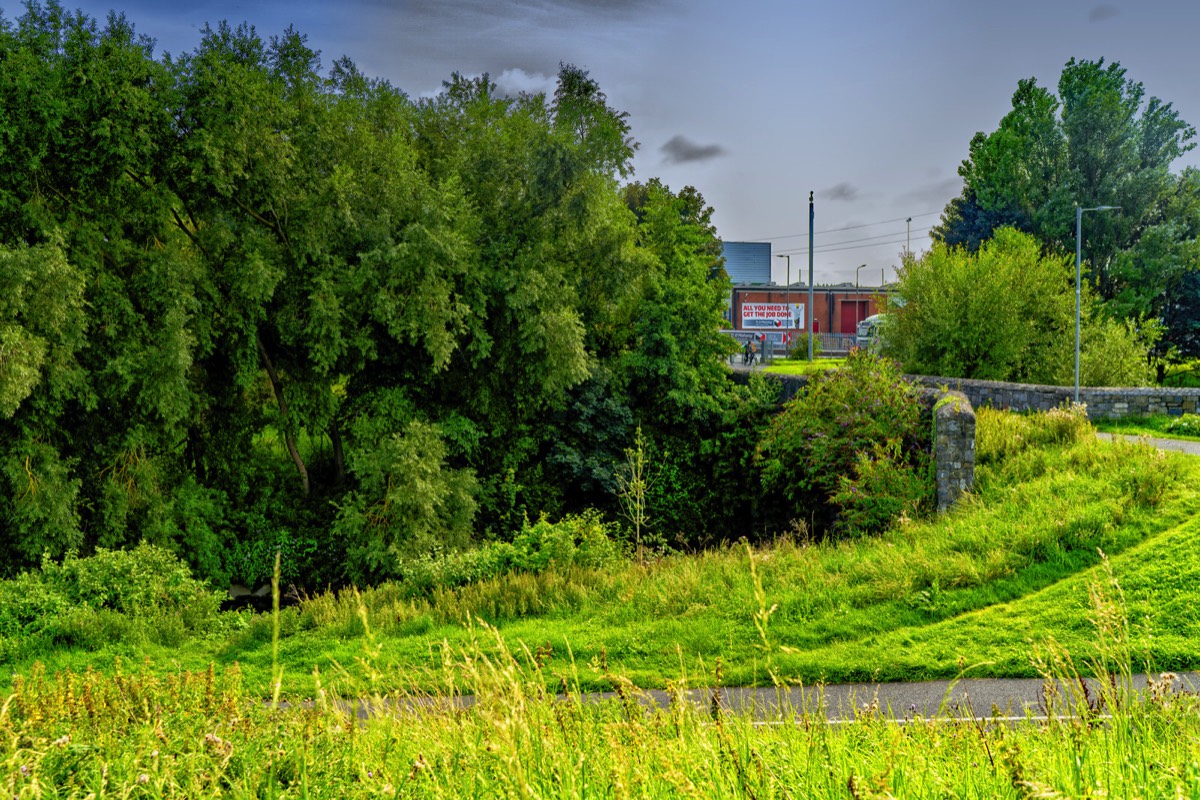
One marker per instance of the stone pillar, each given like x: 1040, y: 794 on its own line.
x: 953, y: 447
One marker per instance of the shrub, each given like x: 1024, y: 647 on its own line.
x: 582, y: 540
x: 882, y: 489
x: 144, y: 594
x: 1187, y: 425
x: 819, y: 436
x: 1006, y: 312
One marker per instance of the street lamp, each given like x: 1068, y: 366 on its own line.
x: 856, y: 271
x: 791, y: 320
x: 1078, y: 280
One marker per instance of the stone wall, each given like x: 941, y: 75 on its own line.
x: 1101, y: 402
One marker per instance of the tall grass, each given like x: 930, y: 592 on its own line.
x: 199, y: 735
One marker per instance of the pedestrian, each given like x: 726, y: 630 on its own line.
x: 753, y: 351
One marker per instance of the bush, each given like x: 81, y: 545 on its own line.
x: 144, y: 594
x: 1186, y: 425
x: 820, y: 435
x: 884, y: 488
x: 583, y: 540
x: 1007, y: 313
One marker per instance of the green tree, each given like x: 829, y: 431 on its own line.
x: 1006, y: 312
x: 844, y: 415
x: 1099, y: 142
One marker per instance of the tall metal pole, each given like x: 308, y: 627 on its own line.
x: 808, y: 312
x: 908, y: 235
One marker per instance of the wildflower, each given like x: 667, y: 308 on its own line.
x: 143, y: 779
x: 24, y: 769
x: 63, y: 740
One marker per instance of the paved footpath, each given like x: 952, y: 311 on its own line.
x: 1011, y: 698
x: 995, y: 699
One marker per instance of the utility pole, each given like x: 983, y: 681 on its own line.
x: 1078, y: 277
x: 808, y: 312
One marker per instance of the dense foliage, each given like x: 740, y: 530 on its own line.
x: 850, y: 451
x: 143, y: 595
x: 1099, y: 142
x: 247, y: 305
x: 1006, y: 312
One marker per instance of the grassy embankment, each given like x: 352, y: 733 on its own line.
x: 200, y: 735
x: 1186, y: 427
x: 1010, y: 578
x: 985, y: 583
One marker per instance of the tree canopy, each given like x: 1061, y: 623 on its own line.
x: 1099, y: 141
x: 1006, y: 312
x: 250, y: 304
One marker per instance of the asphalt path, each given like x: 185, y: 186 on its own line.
x: 982, y: 699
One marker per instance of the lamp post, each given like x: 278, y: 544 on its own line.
x: 1078, y: 277
x: 856, y: 271
x: 908, y: 235
x: 791, y: 320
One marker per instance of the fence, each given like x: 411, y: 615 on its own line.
x: 776, y: 345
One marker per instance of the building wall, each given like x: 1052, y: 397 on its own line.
x: 747, y: 262
x: 839, y: 309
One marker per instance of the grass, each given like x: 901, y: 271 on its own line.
x: 1010, y: 583
x: 1185, y: 427
x: 802, y: 366
x: 139, y: 733
x: 979, y: 583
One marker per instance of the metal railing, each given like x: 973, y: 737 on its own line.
x: 829, y: 344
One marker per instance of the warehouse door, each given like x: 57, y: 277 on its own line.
x: 853, y: 312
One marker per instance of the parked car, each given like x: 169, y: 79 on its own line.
x: 867, y: 335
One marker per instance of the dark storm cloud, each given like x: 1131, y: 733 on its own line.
x: 680, y: 150
x: 1102, y: 12
x: 842, y: 192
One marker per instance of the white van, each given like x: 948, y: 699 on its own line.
x: 867, y: 335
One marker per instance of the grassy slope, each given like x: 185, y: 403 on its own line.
x: 975, y: 584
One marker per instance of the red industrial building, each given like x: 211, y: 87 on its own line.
x: 777, y: 309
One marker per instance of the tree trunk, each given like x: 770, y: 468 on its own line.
x: 339, y: 458
x: 288, y: 438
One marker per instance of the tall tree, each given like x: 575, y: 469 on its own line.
x: 1099, y: 142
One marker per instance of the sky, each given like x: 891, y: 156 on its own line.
x: 869, y: 105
